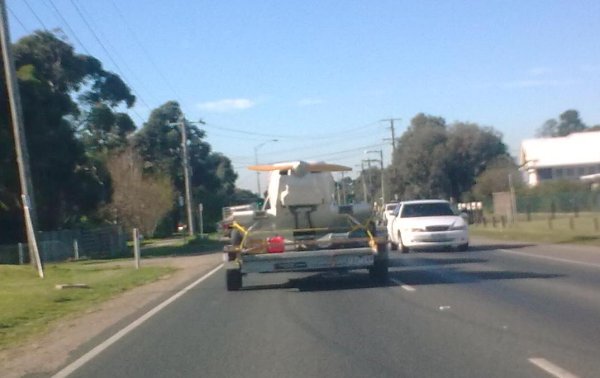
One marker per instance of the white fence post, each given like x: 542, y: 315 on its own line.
x: 75, y: 249
x: 201, y: 216
x: 136, y: 248
x: 21, y: 254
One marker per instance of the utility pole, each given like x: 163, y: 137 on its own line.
x: 391, y: 121
x: 369, y: 161
x: 343, y: 189
x: 364, y: 182
x: 186, y: 176
x: 185, y: 162
x: 20, y: 140
x: 382, y: 175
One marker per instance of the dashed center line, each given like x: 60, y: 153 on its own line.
x: 403, y: 285
x: 551, y: 368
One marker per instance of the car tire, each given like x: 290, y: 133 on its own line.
x: 234, y: 279
x: 393, y: 246
x: 463, y: 247
x: 403, y: 248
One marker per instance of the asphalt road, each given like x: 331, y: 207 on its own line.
x: 494, y: 311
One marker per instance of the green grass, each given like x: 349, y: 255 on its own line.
x: 538, y: 229
x: 28, y: 304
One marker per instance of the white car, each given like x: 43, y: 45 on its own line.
x: 422, y: 224
x: 388, y: 211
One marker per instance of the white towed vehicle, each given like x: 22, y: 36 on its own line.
x: 423, y: 224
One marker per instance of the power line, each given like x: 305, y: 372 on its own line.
x: 145, y: 51
x: 18, y: 20
x: 131, y: 72
x: 35, y: 15
x: 108, y: 54
x: 332, y: 135
x: 73, y: 34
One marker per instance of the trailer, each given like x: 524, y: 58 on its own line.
x: 339, y: 248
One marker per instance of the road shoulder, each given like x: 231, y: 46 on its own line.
x: 48, y: 352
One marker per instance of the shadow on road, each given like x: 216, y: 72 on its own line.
x: 399, y: 261
x: 326, y: 282
x: 491, y: 247
x: 450, y: 275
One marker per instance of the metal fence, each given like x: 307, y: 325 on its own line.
x: 54, y: 246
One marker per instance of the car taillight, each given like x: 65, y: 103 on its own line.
x: 275, y: 244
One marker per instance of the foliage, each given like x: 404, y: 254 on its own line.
x: 212, y: 175
x: 434, y: 160
x: 56, y: 87
x: 104, y: 130
x: 138, y: 200
x: 558, y: 196
x: 568, y: 122
x: 495, y: 177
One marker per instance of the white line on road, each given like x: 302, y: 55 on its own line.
x: 588, y: 264
x: 67, y: 370
x: 403, y: 285
x: 551, y: 369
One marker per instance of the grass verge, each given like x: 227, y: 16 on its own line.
x: 562, y: 229
x: 29, y: 304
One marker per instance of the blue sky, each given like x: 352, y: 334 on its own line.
x: 318, y: 76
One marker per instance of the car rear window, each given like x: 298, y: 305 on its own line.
x: 426, y: 210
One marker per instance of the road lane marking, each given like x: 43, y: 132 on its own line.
x: 551, y: 368
x: 551, y: 258
x: 403, y: 285
x: 67, y: 370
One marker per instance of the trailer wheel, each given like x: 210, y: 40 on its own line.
x: 234, y: 279
x: 379, y: 271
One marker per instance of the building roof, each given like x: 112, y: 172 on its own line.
x: 573, y: 149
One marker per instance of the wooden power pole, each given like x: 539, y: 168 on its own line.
x: 20, y: 140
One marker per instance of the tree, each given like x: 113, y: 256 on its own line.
x: 416, y: 161
x: 469, y: 149
x: 495, y: 177
x: 56, y: 84
x: 568, y: 122
x: 434, y: 160
x: 104, y: 130
x: 212, y: 176
x: 548, y: 130
x: 138, y: 200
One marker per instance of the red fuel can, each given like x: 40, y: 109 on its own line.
x: 275, y: 244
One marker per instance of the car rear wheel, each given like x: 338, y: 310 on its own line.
x: 463, y: 247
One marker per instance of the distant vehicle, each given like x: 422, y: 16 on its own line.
x: 424, y: 224
x: 302, y: 228
x: 225, y: 226
x: 388, y: 211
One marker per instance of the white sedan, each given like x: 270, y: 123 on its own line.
x: 422, y: 224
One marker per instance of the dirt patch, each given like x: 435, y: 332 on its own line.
x: 48, y: 352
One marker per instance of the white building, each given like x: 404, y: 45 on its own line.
x: 562, y: 158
